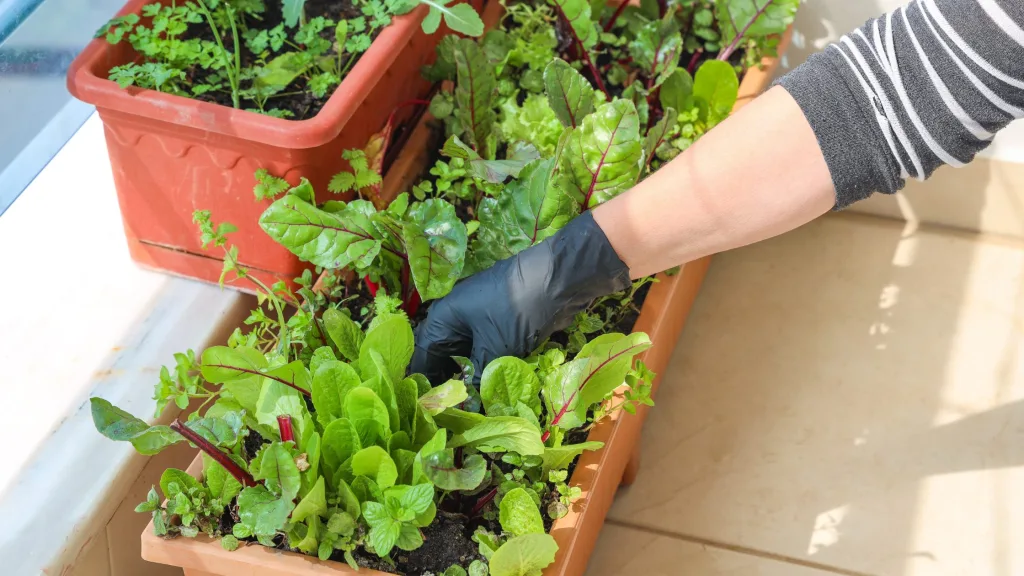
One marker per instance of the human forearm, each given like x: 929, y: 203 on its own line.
x: 756, y: 175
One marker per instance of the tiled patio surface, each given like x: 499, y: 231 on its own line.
x: 845, y: 399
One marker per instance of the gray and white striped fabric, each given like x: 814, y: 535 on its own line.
x: 925, y: 85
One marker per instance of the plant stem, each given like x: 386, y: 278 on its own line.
x: 284, y: 424
x: 484, y: 501
x: 725, y: 54
x: 693, y: 61
x: 232, y: 77
x: 213, y: 452
x: 583, y: 50
x: 615, y: 16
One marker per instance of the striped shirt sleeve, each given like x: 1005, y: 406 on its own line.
x: 925, y: 85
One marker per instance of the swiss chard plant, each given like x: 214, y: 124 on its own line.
x: 330, y: 447
x: 281, y: 58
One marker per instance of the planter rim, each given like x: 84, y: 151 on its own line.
x: 84, y: 84
x: 597, y: 472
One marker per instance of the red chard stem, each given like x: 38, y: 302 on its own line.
x: 213, y: 452
x: 284, y: 424
x: 484, y: 501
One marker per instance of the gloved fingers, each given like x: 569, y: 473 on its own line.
x: 439, y: 337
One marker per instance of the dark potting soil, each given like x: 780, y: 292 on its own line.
x: 302, y: 104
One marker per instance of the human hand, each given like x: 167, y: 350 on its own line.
x: 512, y: 307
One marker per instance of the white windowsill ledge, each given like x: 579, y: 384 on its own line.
x: 80, y: 319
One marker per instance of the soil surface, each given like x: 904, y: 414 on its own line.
x: 302, y: 104
x: 447, y: 541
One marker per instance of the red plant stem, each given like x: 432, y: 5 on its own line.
x: 583, y: 49
x: 371, y: 286
x: 284, y: 424
x: 484, y: 501
x: 662, y: 8
x: 615, y: 16
x: 213, y: 452
x: 693, y: 61
x: 725, y: 54
x: 258, y: 373
x: 544, y: 437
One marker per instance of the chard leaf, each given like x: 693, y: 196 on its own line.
x: 221, y: 364
x: 121, y: 426
x: 577, y: 13
x: 223, y: 486
x: 435, y: 241
x: 332, y: 382
x: 392, y: 339
x: 570, y: 94
x: 505, y: 382
x: 598, y: 369
x: 447, y: 395
x: 526, y: 211
x: 294, y: 373
x: 657, y: 47
x: 764, y: 17
x: 340, y: 442
x: 277, y: 468
x: 368, y: 414
x: 602, y: 158
x: 715, y: 89
x: 262, y: 512
x: 344, y: 332
x: 559, y: 458
x: 525, y: 555
x: 475, y: 93
x: 313, y: 504
x: 323, y: 238
x: 441, y: 470
x: 374, y: 463
x: 676, y: 91
x: 519, y: 514
x: 659, y: 133
x: 493, y: 171
x: 223, y: 430
x: 502, y: 434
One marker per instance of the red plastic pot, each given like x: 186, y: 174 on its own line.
x: 172, y: 155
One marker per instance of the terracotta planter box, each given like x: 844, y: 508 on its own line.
x: 598, y: 473
x: 172, y: 155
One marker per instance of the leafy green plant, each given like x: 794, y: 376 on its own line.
x: 250, y: 63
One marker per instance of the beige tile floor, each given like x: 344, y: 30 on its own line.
x: 845, y: 399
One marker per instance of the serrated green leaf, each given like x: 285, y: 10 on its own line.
x: 223, y: 486
x: 315, y: 235
x: 262, y: 512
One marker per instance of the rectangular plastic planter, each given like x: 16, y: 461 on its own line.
x: 172, y: 155
x: 598, y: 474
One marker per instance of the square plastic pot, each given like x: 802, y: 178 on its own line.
x: 172, y: 155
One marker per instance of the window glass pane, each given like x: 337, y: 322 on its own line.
x: 38, y: 41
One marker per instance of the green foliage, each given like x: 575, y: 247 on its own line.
x: 603, y: 157
x: 525, y: 555
x: 392, y: 523
x: 461, y: 18
x: 519, y: 514
x: 570, y: 95
x: 475, y: 96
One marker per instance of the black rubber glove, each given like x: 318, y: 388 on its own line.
x: 510, y: 308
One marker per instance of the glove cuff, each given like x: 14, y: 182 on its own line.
x: 586, y: 263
